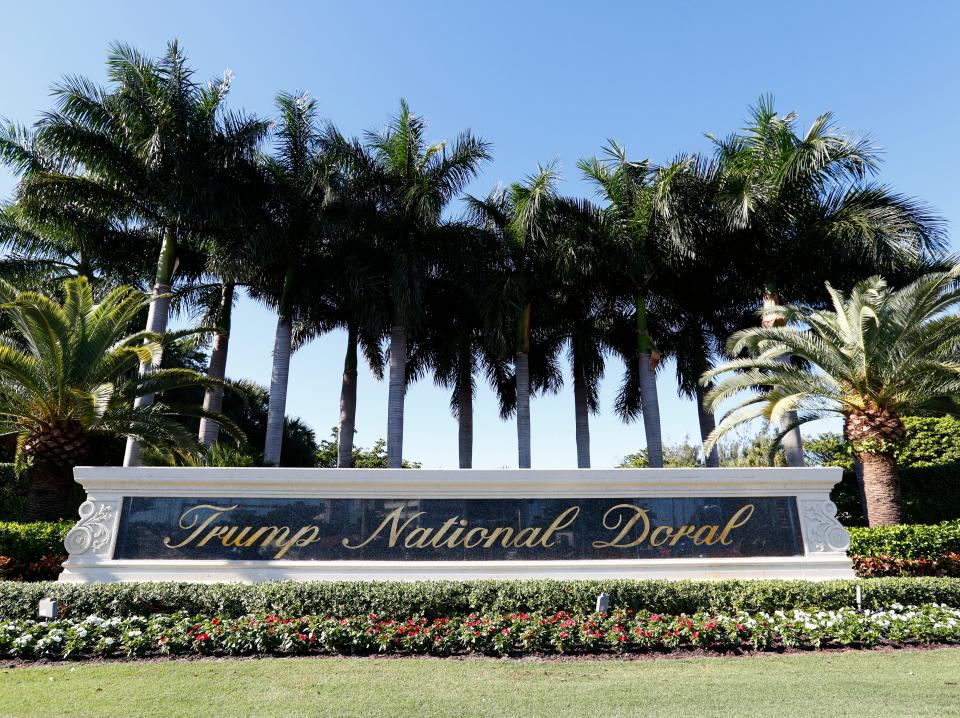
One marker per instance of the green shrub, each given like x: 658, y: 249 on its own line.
x: 28, y: 542
x: 446, y: 598
x: 13, y: 493
x: 906, y: 541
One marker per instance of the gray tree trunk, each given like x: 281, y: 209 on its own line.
x: 279, y: 376
x: 348, y: 404
x: 792, y: 441
x: 398, y: 390
x: 582, y: 417
x: 651, y: 412
x: 523, y: 409
x: 465, y: 424
x: 707, y: 424
x: 157, y: 317
x: 213, y: 397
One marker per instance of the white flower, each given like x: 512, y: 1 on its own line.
x: 108, y: 641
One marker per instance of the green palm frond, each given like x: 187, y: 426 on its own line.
x: 879, y: 348
x: 75, y: 363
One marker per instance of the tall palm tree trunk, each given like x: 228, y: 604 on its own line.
x: 157, y: 317
x: 348, y: 402
x: 465, y: 424
x: 649, y: 398
x: 881, y: 486
x: 792, y: 440
x: 279, y: 375
x: 398, y: 390
x: 522, y: 371
x: 213, y: 397
x: 582, y: 418
x: 522, y: 362
x: 707, y: 424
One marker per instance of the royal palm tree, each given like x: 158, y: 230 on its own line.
x: 419, y: 180
x: 356, y: 297
x: 453, y: 342
x: 152, y: 149
x: 523, y: 217
x: 801, y: 207
x: 67, y: 374
x: 582, y: 310
x: 636, y: 257
x: 302, y: 179
x: 876, y: 356
x: 236, y: 219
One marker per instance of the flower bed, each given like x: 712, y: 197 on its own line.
x: 512, y: 634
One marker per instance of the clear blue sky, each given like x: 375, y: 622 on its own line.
x: 541, y: 80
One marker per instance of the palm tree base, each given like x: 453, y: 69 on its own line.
x: 48, y: 498
x: 881, y: 486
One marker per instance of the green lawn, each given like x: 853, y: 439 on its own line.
x: 915, y: 683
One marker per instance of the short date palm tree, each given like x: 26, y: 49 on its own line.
x: 68, y: 370
x: 878, y: 355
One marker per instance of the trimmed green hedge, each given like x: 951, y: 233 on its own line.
x: 447, y: 598
x: 32, y: 541
x: 910, y: 541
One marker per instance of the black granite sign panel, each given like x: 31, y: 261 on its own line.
x: 456, y: 529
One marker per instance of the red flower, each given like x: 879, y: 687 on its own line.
x: 216, y: 621
x: 655, y: 617
x: 505, y: 631
x: 563, y: 634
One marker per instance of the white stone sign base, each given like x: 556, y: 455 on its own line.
x: 92, y: 541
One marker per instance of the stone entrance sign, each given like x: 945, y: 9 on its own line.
x: 258, y: 524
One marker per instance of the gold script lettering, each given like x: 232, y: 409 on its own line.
x: 638, y: 515
x: 191, y: 516
x: 396, y: 528
x: 736, y: 521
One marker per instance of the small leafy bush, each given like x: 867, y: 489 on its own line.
x: 29, y: 542
x: 906, y: 541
